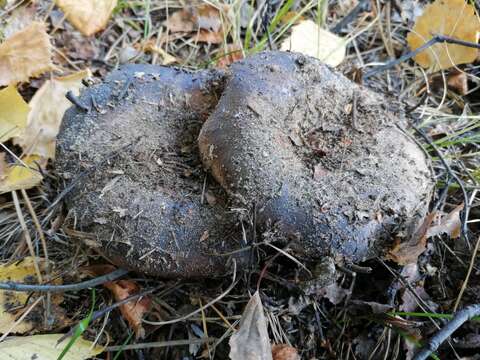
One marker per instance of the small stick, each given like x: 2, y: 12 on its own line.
x: 467, y: 277
x: 466, y: 209
x: 434, y: 343
x: 21, y: 219
x: 434, y: 40
x: 160, y: 344
x: 12, y: 286
x: 76, y: 101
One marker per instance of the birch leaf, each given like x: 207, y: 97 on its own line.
x: 310, y: 39
x: 21, y: 175
x: 47, y: 108
x: 26, y: 53
x: 453, y: 18
x: 13, y: 113
x: 88, y: 16
x: 45, y: 347
x: 12, y: 303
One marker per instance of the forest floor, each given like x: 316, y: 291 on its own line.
x: 380, y: 309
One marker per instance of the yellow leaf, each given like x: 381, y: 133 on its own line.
x: 24, y: 54
x: 310, y: 39
x: 13, y: 113
x: 88, y: 16
x: 12, y: 303
x: 47, y: 108
x: 44, y: 347
x: 453, y: 18
x: 22, y: 175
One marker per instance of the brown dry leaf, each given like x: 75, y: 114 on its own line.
x: 13, y: 113
x: 152, y: 47
x: 450, y: 224
x: 231, y: 53
x: 251, y: 341
x: 284, y: 352
x: 453, y: 18
x: 310, y: 39
x: 134, y: 310
x: 12, y: 304
x: 47, y: 108
x: 458, y: 82
x: 205, y: 23
x: 24, y: 175
x: 88, y: 16
x: 26, y: 53
x: 19, y: 19
x: 408, y: 252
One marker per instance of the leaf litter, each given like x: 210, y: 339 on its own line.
x: 445, y: 14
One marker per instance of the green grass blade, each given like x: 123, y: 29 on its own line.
x: 79, y: 329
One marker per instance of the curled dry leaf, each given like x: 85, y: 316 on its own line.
x: 47, y: 108
x: 310, y: 39
x: 134, y: 310
x: 26, y: 53
x: 43, y: 347
x: 407, y: 252
x: 450, y: 224
x: 21, y: 175
x: 13, y: 113
x: 251, y: 341
x: 284, y: 352
x: 88, y: 16
x: 12, y: 304
x: 453, y: 18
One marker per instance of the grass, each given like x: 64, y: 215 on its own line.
x: 312, y: 324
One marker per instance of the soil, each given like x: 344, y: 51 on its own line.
x: 323, y: 163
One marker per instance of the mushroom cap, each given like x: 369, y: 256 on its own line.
x: 140, y: 188
x: 328, y: 166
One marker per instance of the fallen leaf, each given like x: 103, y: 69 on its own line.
x: 13, y: 113
x: 24, y: 175
x: 310, y: 39
x: 453, y: 18
x: 25, y: 54
x: 458, y: 82
x: 134, y: 310
x: 334, y: 293
x: 450, y: 224
x: 284, y: 352
x: 47, y: 108
x: 19, y: 19
x: 407, y: 252
x: 205, y: 23
x: 88, y: 16
x: 167, y: 59
x: 251, y: 341
x: 12, y: 304
x: 231, y: 53
x: 209, y: 37
x: 45, y: 347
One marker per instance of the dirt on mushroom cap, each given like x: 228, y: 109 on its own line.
x: 323, y: 158
x: 319, y: 157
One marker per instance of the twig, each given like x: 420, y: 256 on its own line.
x: 207, y: 305
x: 20, y: 319
x: 12, y: 286
x: 26, y: 233
x: 434, y: 40
x: 460, y: 317
x: 347, y: 19
x: 466, y: 208
x: 159, y: 344
x: 76, y: 101
x: 467, y: 277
